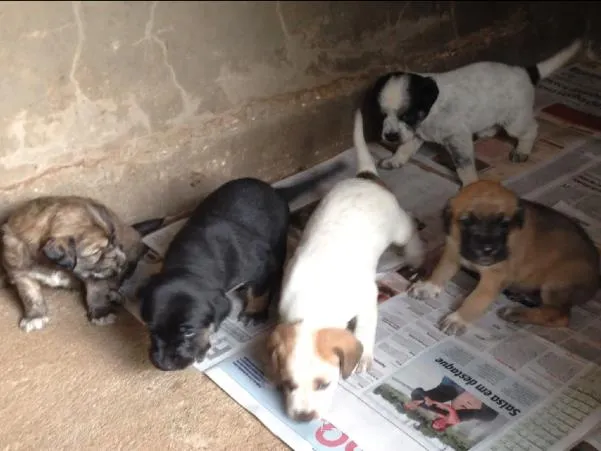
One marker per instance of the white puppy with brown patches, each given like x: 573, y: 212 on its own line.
x: 330, y: 281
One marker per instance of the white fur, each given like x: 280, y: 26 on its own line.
x: 453, y: 324
x: 31, y: 324
x: 424, y: 289
x: 331, y: 278
x: 105, y: 320
x: 473, y: 99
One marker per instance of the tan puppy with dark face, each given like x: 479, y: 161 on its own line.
x: 62, y: 242
x: 513, y: 244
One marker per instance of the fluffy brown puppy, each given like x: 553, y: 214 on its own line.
x: 512, y: 244
x: 65, y: 242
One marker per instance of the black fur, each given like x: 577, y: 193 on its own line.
x: 150, y: 225
x: 368, y: 175
x: 373, y: 117
x: 422, y: 91
x: 533, y: 74
x: 484, y: 238
x: 236, y: 236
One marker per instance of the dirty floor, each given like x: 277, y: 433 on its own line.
x: 78, y: 386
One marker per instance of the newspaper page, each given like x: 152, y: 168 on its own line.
x: 421, y: 193
x: 497, y: 387
x: 570, y: 183
x: 568, y: 106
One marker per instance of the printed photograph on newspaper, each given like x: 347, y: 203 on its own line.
x: 445, y: 399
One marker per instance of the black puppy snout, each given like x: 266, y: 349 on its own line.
x: 487, y: 250
x: 391, y: 136
x: 164, y: 363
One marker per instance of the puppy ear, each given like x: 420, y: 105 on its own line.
x: 342, y: 344
x: 278, y: 342
x: 103, y: 219
x: 61, y: 251
x: 519, y: 216
x: 423, y: 92
x: 271, y: 356
x: 447, y: 216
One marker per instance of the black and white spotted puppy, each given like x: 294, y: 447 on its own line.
x: 448, y: 108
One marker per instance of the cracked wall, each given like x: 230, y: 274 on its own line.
x: 148, y: 105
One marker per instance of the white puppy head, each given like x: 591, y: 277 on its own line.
x: 404, y: 100
x: 307, y: 364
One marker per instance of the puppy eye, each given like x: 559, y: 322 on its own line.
x: 288, y: 386
x: 320, y: 384
x: 465, y: 220
x: 187, y: 332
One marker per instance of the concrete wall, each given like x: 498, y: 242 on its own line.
x: 148, y: 105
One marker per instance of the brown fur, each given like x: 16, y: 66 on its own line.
x: 336, y: 346
x: 256, y: 304
x: 279, y: 345
x: 339, y: 347
x: 63, y: 242
x: 548, y: 253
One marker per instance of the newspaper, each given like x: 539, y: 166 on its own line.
x: 568, y: 107
x: 524, y: 390
x: 528, y: 387
x: 421, y: 193
x: 570, y: 183
x: 499, y: 386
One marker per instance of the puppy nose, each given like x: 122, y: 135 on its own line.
x: 391, y: 136
x: 487, y: 250
x: 161, y: 363
x: 305, y: 416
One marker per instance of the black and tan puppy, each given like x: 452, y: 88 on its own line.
x: 63, y: 242
x: 236, y: 236
x: 513, y: 244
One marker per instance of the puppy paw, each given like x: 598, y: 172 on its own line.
x: 424, y: 290
x: 516, y: 157
x: 249, y: 319
x: 102, y: 316
x: 29, y: 324
x: 104, y: 320
x: 365, y: 362
x: 510, y: 314
x: 453, y: 324
x: 389, y: 163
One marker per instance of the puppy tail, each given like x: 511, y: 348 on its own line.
x: 290, y: 193
x: 550, y: 65
x: 151, y: 225
x: 365, y: 162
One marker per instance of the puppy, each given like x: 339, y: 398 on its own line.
x: 236, y: 236
x: 407, y: 109
x: 331, y: 280
x: 64, y: 242
x: 513, y: 244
